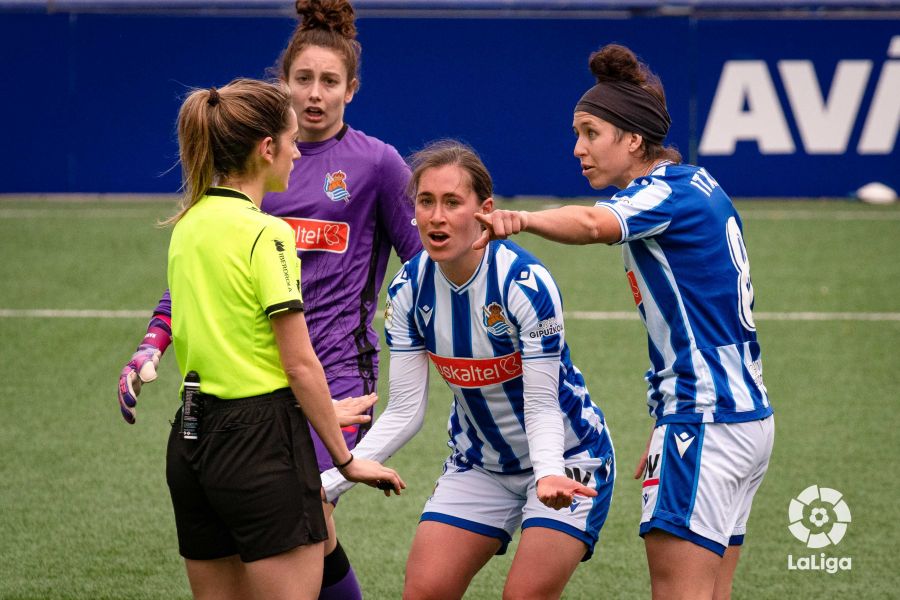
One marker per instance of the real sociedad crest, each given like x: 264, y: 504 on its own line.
x: 336, y: 186
x: 495, y: 319
x: 388, y: 314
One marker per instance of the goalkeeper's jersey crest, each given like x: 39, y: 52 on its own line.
x: 478, y: 336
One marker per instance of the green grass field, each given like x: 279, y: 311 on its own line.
x: 84, y: 509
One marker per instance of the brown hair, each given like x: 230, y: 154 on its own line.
x: 451, y: 152
x: 615, y: 62
x: 327, y: 24
x: 218, y: 129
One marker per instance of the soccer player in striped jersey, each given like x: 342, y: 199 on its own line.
x: 348, y: 207
x: 528, y: 446
x: 689, y: 273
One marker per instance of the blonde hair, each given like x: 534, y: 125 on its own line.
x: 218, y: 129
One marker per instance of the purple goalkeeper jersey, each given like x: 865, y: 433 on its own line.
x: 348, y: 206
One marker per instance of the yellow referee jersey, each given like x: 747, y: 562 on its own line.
x: 231, y: 269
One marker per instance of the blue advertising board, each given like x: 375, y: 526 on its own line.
x: 772, y: 107
x: 798, y: 108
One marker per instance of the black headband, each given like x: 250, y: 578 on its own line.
x: 627, y: 106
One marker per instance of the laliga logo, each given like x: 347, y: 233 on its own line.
x: 825, y: 511
x: 819, y: 518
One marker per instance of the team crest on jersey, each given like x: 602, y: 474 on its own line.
x: 495, y: 319
x: 388, y: 314
x: 336, y: 186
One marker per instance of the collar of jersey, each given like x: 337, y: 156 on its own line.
x: 460, y: 289
x: 660, y: 165
x: 225, y: 192
x: 319, y: 147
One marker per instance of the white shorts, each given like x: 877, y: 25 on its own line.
x: 701, y: 478
x: 495, y: 504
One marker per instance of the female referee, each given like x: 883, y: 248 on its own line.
x: 348, y: 207
x: 242, y: 472
x: 688, y: 270
x: 529, y: 447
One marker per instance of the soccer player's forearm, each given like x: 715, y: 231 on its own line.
x: 575, y: 225
x: 311, y: 390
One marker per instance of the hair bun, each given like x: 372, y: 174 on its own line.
x: 330, y: 15
x: 616, y: 63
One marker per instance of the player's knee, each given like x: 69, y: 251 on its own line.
x: 425, y: 589
x: 532, y: 590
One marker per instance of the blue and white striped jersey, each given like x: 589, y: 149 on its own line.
x: 690, y: 276
x: 477, y: 335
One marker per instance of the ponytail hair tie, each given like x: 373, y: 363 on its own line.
x: 213, y: 97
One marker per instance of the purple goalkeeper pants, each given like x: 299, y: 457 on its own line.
x: 344, y: 387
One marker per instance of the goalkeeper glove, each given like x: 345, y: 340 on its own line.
x: 142, y: 366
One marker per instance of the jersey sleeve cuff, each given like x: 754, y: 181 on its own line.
x: 546, y: 470
x: 622, y: 224
x: 282, y: 307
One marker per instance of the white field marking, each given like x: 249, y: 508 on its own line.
x: 41, y: 313
x: 69, y: 213
x: 74, y: 314
x: 763, y: 316
x: 812, y: 215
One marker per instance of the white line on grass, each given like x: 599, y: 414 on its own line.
x: 73, y: 314
x: 68, y: 213
x: 814, y: 215
x: 113, y: 206
x: 762, y: 316
x: 571, y: 315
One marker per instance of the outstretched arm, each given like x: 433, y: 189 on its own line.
x: 567, y: 225
x: 401, y: 420
x: 307, y: 380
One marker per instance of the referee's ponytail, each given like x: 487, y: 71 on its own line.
x: 219, y: 128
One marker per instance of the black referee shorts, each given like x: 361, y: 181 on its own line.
x: 250, y: 485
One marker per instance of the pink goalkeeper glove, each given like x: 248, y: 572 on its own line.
x: 142, y: 366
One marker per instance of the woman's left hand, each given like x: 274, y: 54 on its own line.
x: 558, y: 491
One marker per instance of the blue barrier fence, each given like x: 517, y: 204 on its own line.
x: 777, y: 105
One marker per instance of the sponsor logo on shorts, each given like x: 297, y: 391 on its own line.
x: 819, y: 517
x: 576, y: 474
x: 317, y: 235
x: 683, y: 441
x: 478, y: 372
x: 651, y: 477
